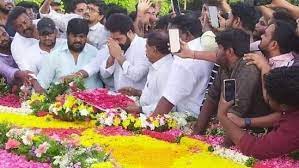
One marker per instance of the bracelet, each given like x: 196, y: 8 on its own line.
x: 247, y: 122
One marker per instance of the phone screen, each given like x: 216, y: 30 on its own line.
x: 174, y: 40
x: 176, y: 6
x: 229, y: 89
x: 213, y: 13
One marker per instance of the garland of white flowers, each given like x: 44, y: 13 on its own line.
x: 24, y: 109
x: 232, y: 155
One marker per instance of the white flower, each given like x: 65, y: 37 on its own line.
x: 91, y: 160
x: 84, y: 112
x: 143, y: 120
x: 123, y: 115
x: 27, y: 138
x: 109, y: 120
x: 162, y: 121
x: 152, y: 127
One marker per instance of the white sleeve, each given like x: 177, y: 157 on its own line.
x: 137, y: 70
x: 18, y: 55
x: 98, y: 64
x: 46, y: 74
x: 60, y: 20
x: 179, y: 85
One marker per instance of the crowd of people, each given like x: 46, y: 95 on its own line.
x: 257, y: 46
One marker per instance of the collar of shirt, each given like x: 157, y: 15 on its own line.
x: 135, y: 40
x: 96, y: 26
x: 65, y: 48
x: 281, y: 60
x: 161, y: 61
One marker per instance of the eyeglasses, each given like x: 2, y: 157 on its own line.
x: 92, y: 10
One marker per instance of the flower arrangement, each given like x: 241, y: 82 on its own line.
x: 233, y: 155
x: 103, y: 99
x: 70, y: 108
x: 35, y: 146
x: 130, y: 122
x: 42, y: 102
x: 80, y: 157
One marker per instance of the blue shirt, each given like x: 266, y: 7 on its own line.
x: 61, y: 63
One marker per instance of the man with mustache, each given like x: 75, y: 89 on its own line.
x: 8, y: 68
x: 48, y: 42
x: 69, y: 58
x: 25, y: 37
x: 123, y: 58
x: 92, y: 11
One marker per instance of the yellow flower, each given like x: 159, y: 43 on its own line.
x: 126, y: 123
x: 31, y: 121
x: 37, y: 97
x: 156, y: 123
x: 70, y: 101
x: 116, y: 121
x: 137, y: 124
x: 131, y: 118
x: 102, y: 165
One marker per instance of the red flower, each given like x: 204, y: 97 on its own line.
x: 164, y: 136
x: 10, y: 101
x: 103, y: 99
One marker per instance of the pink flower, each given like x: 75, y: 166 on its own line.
x: 12, y: 144
x: 42, y: 149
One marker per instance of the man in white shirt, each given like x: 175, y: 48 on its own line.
x: 157, y: 52
x: 92, y: 11
x: 48, y: 42
x: 25, y: 37
x: 123, y: 58
x: 189, y: 78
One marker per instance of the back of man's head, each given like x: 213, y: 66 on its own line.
x: 236, y: 39
x: 111, y: 9
x: 15, y: 13
x: 119, y: 23
x: 99, y: 4
x: 187, y: 24
x: 74, y: 4
x: 285, y: 35
x: 77, y: 26
x: 282, y: 85
x: 247, y: 14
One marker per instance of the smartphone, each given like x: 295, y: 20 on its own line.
x: 258, y: 2
x: 174, y: 40
x: 229, y: 90
x: 213, y: 14
x: 176, y: 7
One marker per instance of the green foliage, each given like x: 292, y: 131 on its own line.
x: 250, y: 162
x: 4, y: 128
x: 4, y: 87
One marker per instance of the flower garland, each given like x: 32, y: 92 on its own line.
x: 30, y: 121
x: 10, y: 101
x: 24, y: 109
x: 129, y: 122
x: 233, y: 155
x: 127, y: 150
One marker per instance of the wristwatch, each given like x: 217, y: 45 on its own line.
x: 247, y: 122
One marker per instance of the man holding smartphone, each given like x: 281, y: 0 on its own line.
x: 233, y: 44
